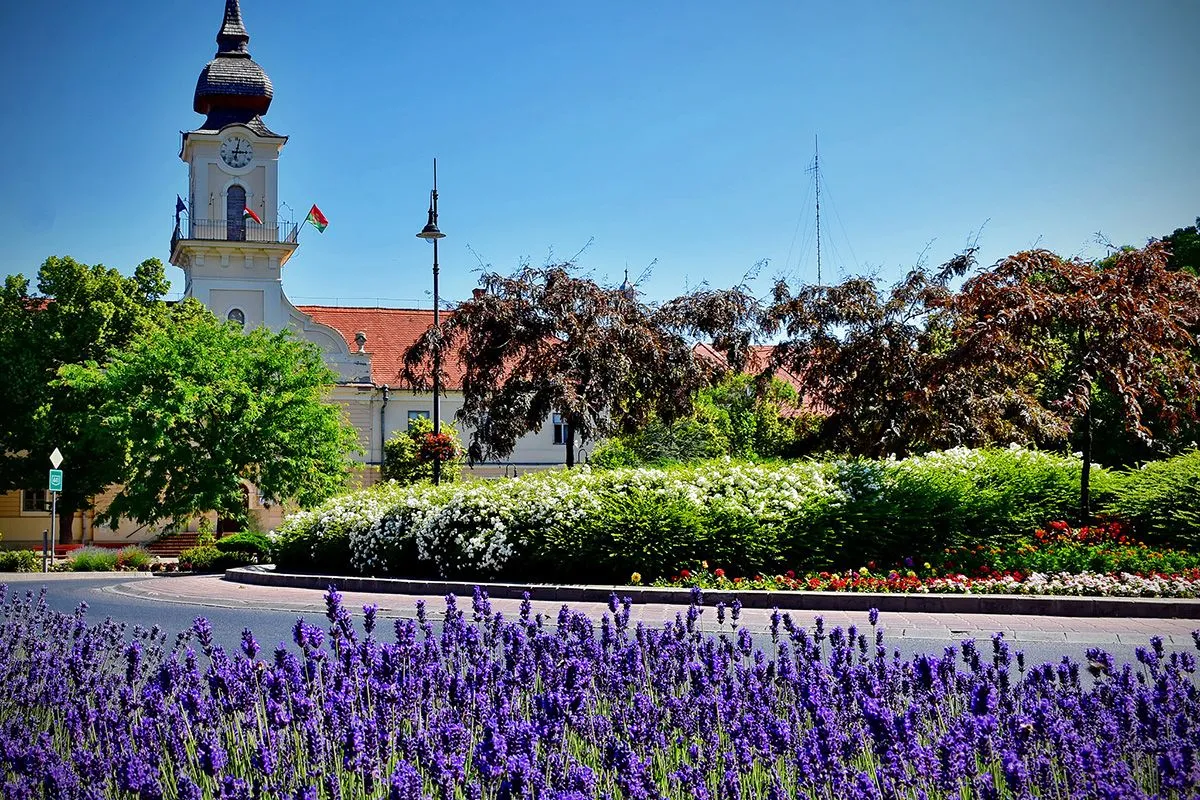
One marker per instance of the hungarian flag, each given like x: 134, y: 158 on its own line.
x: 317, y: 219
x: 248, y: 214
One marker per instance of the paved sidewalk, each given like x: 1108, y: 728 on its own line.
x: 213, y: 590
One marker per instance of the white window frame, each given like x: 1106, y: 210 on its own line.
x: 560, y: 429
x: 416, y: 413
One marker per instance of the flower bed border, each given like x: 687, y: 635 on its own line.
x: 1039, y: 605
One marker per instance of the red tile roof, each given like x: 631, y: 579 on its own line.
x: 390, y: 332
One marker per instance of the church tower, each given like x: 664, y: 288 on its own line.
x: 232, y: 245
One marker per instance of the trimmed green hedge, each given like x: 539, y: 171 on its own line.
x: 245, y: 542
x: 207, y: 558
x: 1161, y: 500
x: 602, y: 525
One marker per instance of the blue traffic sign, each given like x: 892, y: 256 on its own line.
x: 56, y: 480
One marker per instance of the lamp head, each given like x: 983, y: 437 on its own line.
x: 430, y: 231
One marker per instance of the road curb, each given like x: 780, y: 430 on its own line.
x: 1038, y: 605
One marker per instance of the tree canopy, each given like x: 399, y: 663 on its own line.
x: 546, y: 340
x: 1184, y: 246
x: 78, y: 312
x: 1128, y: 324
x: 201, y: 407
x: 879, y: 363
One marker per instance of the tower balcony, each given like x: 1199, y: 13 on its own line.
x: 234, y: 230
x: 271, y: 235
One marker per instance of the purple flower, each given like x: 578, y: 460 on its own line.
x: 249, y: 644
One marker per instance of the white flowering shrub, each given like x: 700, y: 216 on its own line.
x: 605, y: 524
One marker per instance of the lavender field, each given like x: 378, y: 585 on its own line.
x: 484, y: 706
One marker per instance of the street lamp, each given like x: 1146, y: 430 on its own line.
x: 430, y: 233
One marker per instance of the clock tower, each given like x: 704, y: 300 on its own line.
x: 232, y: 245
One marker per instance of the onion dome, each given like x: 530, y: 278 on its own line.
x: 232, y: 88
x: 626, y: 289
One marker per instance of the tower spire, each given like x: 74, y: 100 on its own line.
x: 233, y: 37
x: 232, y: 88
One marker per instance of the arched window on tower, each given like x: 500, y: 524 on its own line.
x: 235, y: 208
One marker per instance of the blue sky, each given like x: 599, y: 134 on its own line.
x: 666, y: 132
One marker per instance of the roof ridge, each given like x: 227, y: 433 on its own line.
x: 363, y: 308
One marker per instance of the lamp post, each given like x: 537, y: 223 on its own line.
x: 430, y: 233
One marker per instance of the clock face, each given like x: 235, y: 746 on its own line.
x: 236, y: 151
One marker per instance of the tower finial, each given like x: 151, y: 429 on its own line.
x: 233, y: 37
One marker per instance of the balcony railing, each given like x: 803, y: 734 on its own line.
x: 236, y: 230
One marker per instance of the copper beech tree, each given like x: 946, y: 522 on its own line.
x: 546, y: 340
x: 1128, y: 324
x: 879, y: 363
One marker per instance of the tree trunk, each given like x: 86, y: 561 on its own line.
x: 66, y: 516
x: 1086, y: 475
x: 570, y: 445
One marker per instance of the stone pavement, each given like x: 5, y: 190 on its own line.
x: 214, y: 590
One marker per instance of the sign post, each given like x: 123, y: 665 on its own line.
x: 56, y: 485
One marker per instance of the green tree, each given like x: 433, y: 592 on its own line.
x: 737, y: 417
x: 407, y: 461
x: 200, y: 408
x: 760, y: 419
x: 1184, y: 244
x: 77, y: 313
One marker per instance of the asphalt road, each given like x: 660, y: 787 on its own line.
x: 64, y: 594
x: 148, y: 601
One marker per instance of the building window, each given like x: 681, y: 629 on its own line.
x: 238, y: 316
x: 235, y: 208
x: 416, y: 415
x: 560, y: 429
x: 33, y: 501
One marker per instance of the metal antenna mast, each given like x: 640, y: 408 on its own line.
x: 816, y: 171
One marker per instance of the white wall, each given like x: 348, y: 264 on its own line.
x: 363, y: 404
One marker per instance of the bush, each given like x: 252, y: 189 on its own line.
x: 18, y: 561
x: 627, y: 533
x: 730, y: 419
x: 1161, y: 500
x: 612, y: 453
x: 408, y: 456
x: 206, y: 533
x: 134, y: 557
x: 321, y: 538
x: 963, y: 497
x: 602, y: 525
x: 691, y: 439
x: 246, y: 542
x: 92, y: 559
x: 210, y: 559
